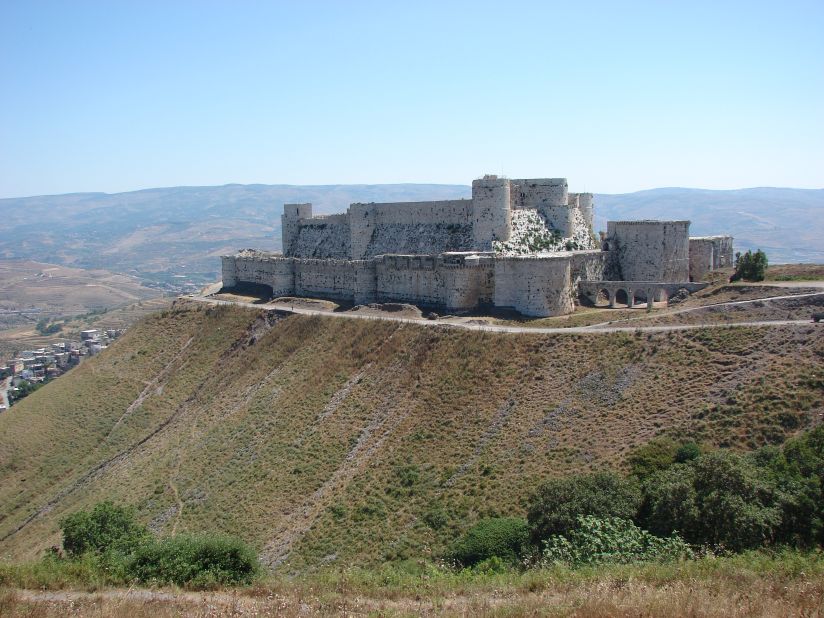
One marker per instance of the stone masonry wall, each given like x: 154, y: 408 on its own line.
x: 323, y: 237
x: 259, y: 268
x: 491, y: 211
x: 409, y: 227
x: 651, y: 250
x: 701, y: 257
x: 334, y: 279
x: 412, y: 279
x: 535, y: 286
x: 587, y: 266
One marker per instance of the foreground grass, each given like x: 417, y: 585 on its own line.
x: 752, y: 584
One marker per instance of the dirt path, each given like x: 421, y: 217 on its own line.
x: 601, y: 328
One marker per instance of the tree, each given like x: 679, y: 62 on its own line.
x: 558, y: 502
x: 107, y: 527
x: 750, y: 266
x: 797, y: 470
x: 720, y: 498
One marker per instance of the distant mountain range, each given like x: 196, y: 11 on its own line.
x: 167, y: 233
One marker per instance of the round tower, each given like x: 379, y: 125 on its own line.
x: 586, y: 203
x: 652, y: 250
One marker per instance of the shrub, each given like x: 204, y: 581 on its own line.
x: 687, y: 452
x: 612, y: 540
x: 106, y: 528
x: 651, y: 457
x: 670, y: 502
x: 558, y: 503
x: 499, y: 537
x: 195, y: 561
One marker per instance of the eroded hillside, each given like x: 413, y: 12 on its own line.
x: 325, y: 440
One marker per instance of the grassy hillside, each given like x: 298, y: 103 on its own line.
x: 322, y: 440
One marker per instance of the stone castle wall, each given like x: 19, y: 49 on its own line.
x: 651, y: 250
x: 535, y: 286
x: 522, y: 243
x: 456, y: 282
x: 701, y: 258
x: 708, y: 253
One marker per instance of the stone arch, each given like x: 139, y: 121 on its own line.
x: 602, y: 297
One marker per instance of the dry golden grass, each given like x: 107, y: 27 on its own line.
x: 334, y: 442
x: 795, y: 272
x: 606, y: 596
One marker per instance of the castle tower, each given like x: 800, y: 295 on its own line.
x: 586, y: 204
x: 651, y: 250
x: 491, y: 214
x: 292, y: 213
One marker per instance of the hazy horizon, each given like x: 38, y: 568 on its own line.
x: 423, y: 183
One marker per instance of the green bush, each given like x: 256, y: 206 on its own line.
x: 611, y: 540
x: 195, y: 561
x: 108, y: 541
x: 719, y: 499
x: 106, y: 528
x: 687, y: 452
x: 558, y: 502
x: 797, y: 470
x: 499, y: 537
x: 750, y: 266
x: 652, y: 457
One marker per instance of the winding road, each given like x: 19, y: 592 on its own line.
x: 601, y: 328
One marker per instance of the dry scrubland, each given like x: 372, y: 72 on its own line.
x: 91, y: 299
x: 795, y: 272
x: 741, y: 586
x: 332, y: 442
x: 62, y: 290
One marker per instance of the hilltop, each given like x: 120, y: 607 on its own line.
x: 329, y: 441
x: 163, y: 234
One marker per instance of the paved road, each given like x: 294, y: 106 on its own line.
x: 495, y: 328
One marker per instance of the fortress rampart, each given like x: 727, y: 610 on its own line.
x: 524, y: 244
x: 709, y: 253
x: 650, y: 250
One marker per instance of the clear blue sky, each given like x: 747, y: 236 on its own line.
x: 616, y: 96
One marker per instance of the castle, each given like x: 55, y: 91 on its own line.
x: 522, y: 244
